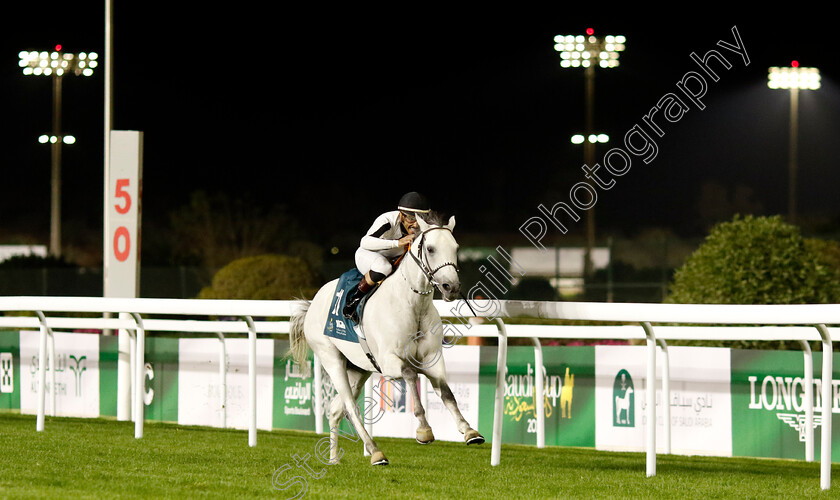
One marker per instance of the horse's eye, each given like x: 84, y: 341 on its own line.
x: 431, y: 249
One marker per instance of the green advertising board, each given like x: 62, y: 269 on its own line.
x: 160, y: 384
x: 568, y: 393
x: 768, y: 404
x: 293, y: 404
x: 9, y: 370
x: 108, y: 357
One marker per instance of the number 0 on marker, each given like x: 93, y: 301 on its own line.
x: 122, y: 233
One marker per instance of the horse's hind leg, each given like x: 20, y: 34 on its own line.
x: 336, y: 411
x: 340, y: 378
x: 424, y: 431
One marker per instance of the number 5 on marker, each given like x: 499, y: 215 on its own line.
x: 122, y: 232
x: 122, y: 193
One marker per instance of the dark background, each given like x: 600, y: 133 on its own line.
x: 335, y: 113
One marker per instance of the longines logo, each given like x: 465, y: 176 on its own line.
x: 787, y: 394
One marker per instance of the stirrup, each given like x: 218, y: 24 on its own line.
x: 350, y: 307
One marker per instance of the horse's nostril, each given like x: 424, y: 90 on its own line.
x: 446, y: 286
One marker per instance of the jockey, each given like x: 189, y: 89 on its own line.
x: 383, y: 246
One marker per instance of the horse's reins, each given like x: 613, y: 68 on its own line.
x: 427, y: 270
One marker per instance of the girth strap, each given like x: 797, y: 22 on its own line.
x: 363, y: 343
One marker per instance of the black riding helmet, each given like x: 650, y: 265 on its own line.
x: 413, y: 202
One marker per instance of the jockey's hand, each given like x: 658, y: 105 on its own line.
x: 405, y: 240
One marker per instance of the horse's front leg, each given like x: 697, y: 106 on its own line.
x: 395, y: 367
x: 437, y: 376
x: 424, y: 431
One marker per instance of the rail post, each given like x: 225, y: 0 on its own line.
x: 222, y: 380
x: 139, y: 376
x: 539, y: 392
x: 825, y: 436
x: 666, y: 393
x: 42, y: 369
x: 252, y: 381
x: 651, y: 400
x: 499, y: 403
x: 808, y: 402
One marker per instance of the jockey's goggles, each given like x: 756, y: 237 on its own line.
x: 409, y: 216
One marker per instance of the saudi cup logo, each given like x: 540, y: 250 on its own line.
x: 624, y: 402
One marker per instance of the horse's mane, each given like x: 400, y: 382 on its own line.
x: 434, y: 218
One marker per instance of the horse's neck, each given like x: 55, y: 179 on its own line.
x: 411, y: 281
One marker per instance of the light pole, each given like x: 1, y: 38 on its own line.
x: 56, y: 64
x: 591, y: 141
x: 588, y: 52
x: 793, y: 78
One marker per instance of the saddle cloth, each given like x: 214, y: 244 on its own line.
x: 337, y: 325
x: 342, y: 328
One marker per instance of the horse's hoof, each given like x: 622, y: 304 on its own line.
x: 378, y: 458
x: 425, y: 435
x: 473, y: 437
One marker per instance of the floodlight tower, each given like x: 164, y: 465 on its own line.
x: 589, y: 52
x: 793, y: 78
x: 593, y: 138
x: 56, y: 64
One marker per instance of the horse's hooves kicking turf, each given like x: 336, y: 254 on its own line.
x: 425, y: 435
x: 378, y: 458
x: 473, y: 437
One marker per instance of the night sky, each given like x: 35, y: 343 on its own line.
x: 336, y: 113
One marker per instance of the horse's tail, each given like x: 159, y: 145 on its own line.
x: 298, y: 348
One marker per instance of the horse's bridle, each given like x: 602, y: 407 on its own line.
x: 425, y: 268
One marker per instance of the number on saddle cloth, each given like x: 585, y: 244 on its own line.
x: 337, y: 325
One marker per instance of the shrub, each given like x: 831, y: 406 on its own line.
x: 533, y: 289
x: 758, y: 260
x: 35, y: 262
x: 263, y: 277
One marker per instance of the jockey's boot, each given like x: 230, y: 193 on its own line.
x: 355, y: 298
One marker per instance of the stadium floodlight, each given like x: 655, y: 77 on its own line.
x: 589, y: 51
x: 57, y: 64
x: 66, y: 139
x: 593, y: 138
x: 793, y: 78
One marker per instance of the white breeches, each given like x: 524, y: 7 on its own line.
x: 367, y: 260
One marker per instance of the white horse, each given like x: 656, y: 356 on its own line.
x: 622, y: 404
x: 403, y: 331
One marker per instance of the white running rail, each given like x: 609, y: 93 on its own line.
x: 238, y: 316
x: 816, y: 316
x: 235, y: 316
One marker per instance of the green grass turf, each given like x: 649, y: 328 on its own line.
x: 97, y: 458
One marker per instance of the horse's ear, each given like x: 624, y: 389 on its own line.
x: 451, y: 224
x: 422, y: 224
